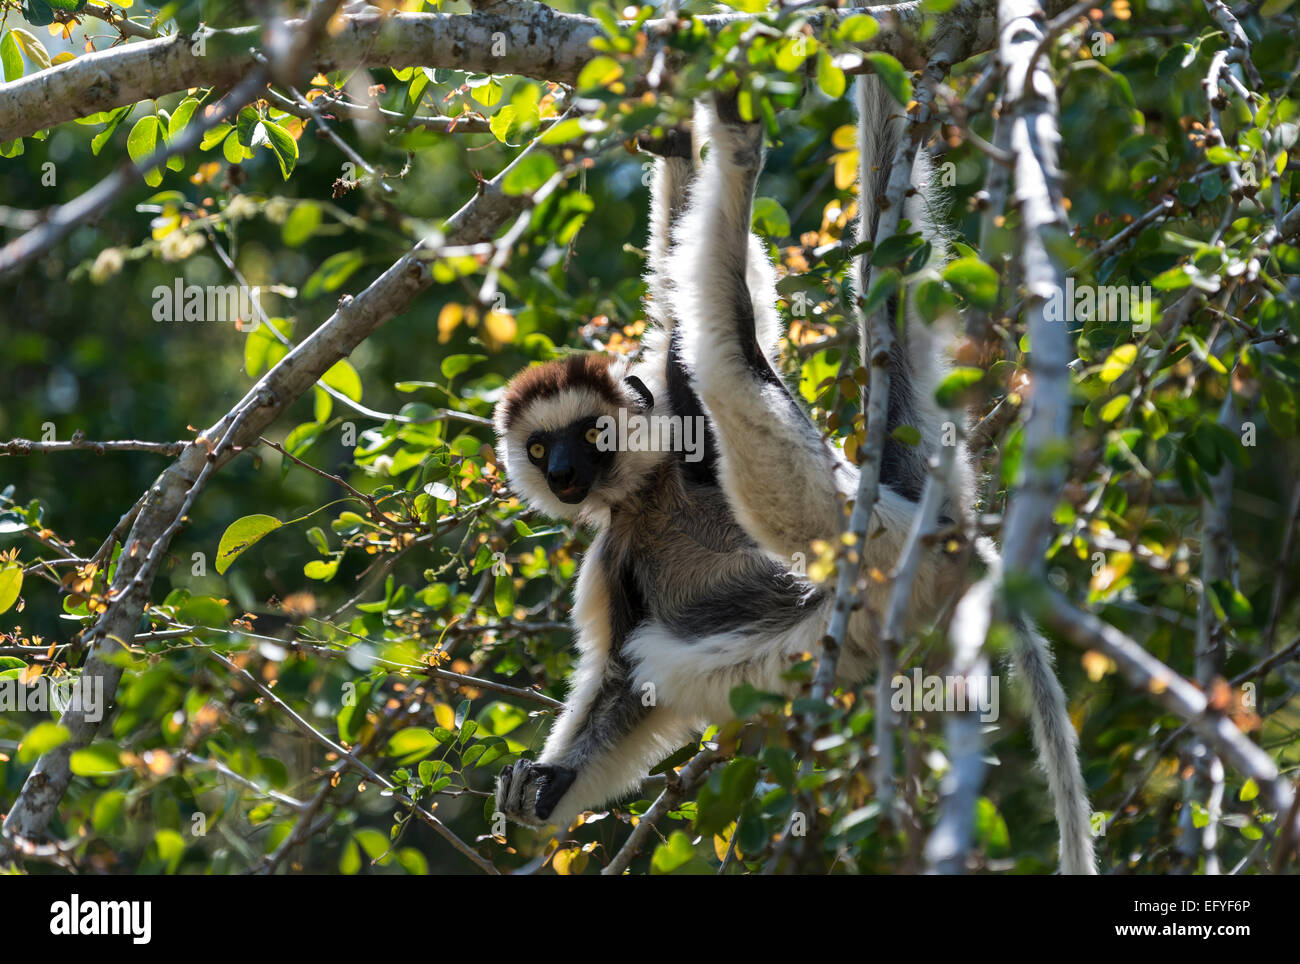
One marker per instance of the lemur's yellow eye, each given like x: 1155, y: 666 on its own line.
x: 593, y: 435
x: 537, y: 450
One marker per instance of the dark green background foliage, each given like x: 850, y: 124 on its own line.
x: 342, y: 610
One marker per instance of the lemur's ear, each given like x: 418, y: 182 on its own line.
x: 639, y: 389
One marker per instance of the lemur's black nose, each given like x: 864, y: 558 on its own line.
x: 562, y: 477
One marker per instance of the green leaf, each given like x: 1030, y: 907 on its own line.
x: 301, y: 223
x: 952, y: 388
x: 1113, y: 408
x: 107, y: 810
x: 37, y: 12
x: 321, y: 569
x: 41, y: 739
x: 1249, y: 790
x: 564, y: 131
x: 892, y: 75
x: 671, y: 855
x: 10, y: 57
x: 931, y: 299
x: 233, y: 151
x: 528, y: 174
x: 858, y: 29
x: 770, y: 217
x: 498, y: 719
x: 454, y: 365
x: 141, y: 144
x: 11, y: 583
x: 907, y: 434
x: 283, y: 146
x: 181, y: 117
x: 829, y: 77
x: 241, y: 534
x: 334, y: 270
x: 96, y: 760
x: 143, y: 139
x: 215, y: 135
x: 262, y: 349
x: 412, y: 744
x: 884, y: 283
x: 504, y: 595
x: 350, y: 859
x: 973, y: 280
x: 342, y: 377
x: 991, y: 828
x: 598, y: 74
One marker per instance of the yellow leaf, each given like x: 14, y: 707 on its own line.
x: 1118, y: 362
x: 449, y: 319
x: 1097, y: 665
x: 445, y: 716
x: 499, y: 328
x: 1114, y: 570
x: 11, y: 584
x: 569, y: 862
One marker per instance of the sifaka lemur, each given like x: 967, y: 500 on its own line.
x: 689, y: 587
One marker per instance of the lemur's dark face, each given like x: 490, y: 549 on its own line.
x: 570, y: 459
x: 559, y: 456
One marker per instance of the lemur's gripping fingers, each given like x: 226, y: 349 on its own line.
x: 676, y: 142
x: 527, y: 792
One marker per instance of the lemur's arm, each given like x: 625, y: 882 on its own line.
x: 674, y: 169
x: 783, y: 480
x: 606, y: 737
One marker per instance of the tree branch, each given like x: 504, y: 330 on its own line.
x: 679, y: 784
x: 541, y: 43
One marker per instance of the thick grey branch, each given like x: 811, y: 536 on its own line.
x: 539, y: 42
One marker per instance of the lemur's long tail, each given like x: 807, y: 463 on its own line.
x: 917, y: 365
x: 1057, y: 746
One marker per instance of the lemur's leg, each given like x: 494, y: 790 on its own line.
x: 606, y: 737
x: 600, y: 748
x: 783, y: 480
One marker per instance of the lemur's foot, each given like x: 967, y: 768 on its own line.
x: 527, y: 792
x: 675, y: 142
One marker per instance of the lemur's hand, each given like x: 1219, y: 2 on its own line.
x: 726, y: 104
x: 675, y: 142
x: 527, y: 792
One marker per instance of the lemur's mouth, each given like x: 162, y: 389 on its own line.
x: 571, y: 494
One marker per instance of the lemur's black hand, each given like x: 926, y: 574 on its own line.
x: 527, y: 792
x: 727, y: 104
x: 675, y: 142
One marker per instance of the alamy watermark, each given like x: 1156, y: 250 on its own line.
x: 918, y: 692
x: 229, y: 303
x: 652, y: 433
x: 1103, y: 303
x: 43, y: 695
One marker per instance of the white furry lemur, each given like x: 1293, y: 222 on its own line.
x: 687, y: 589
